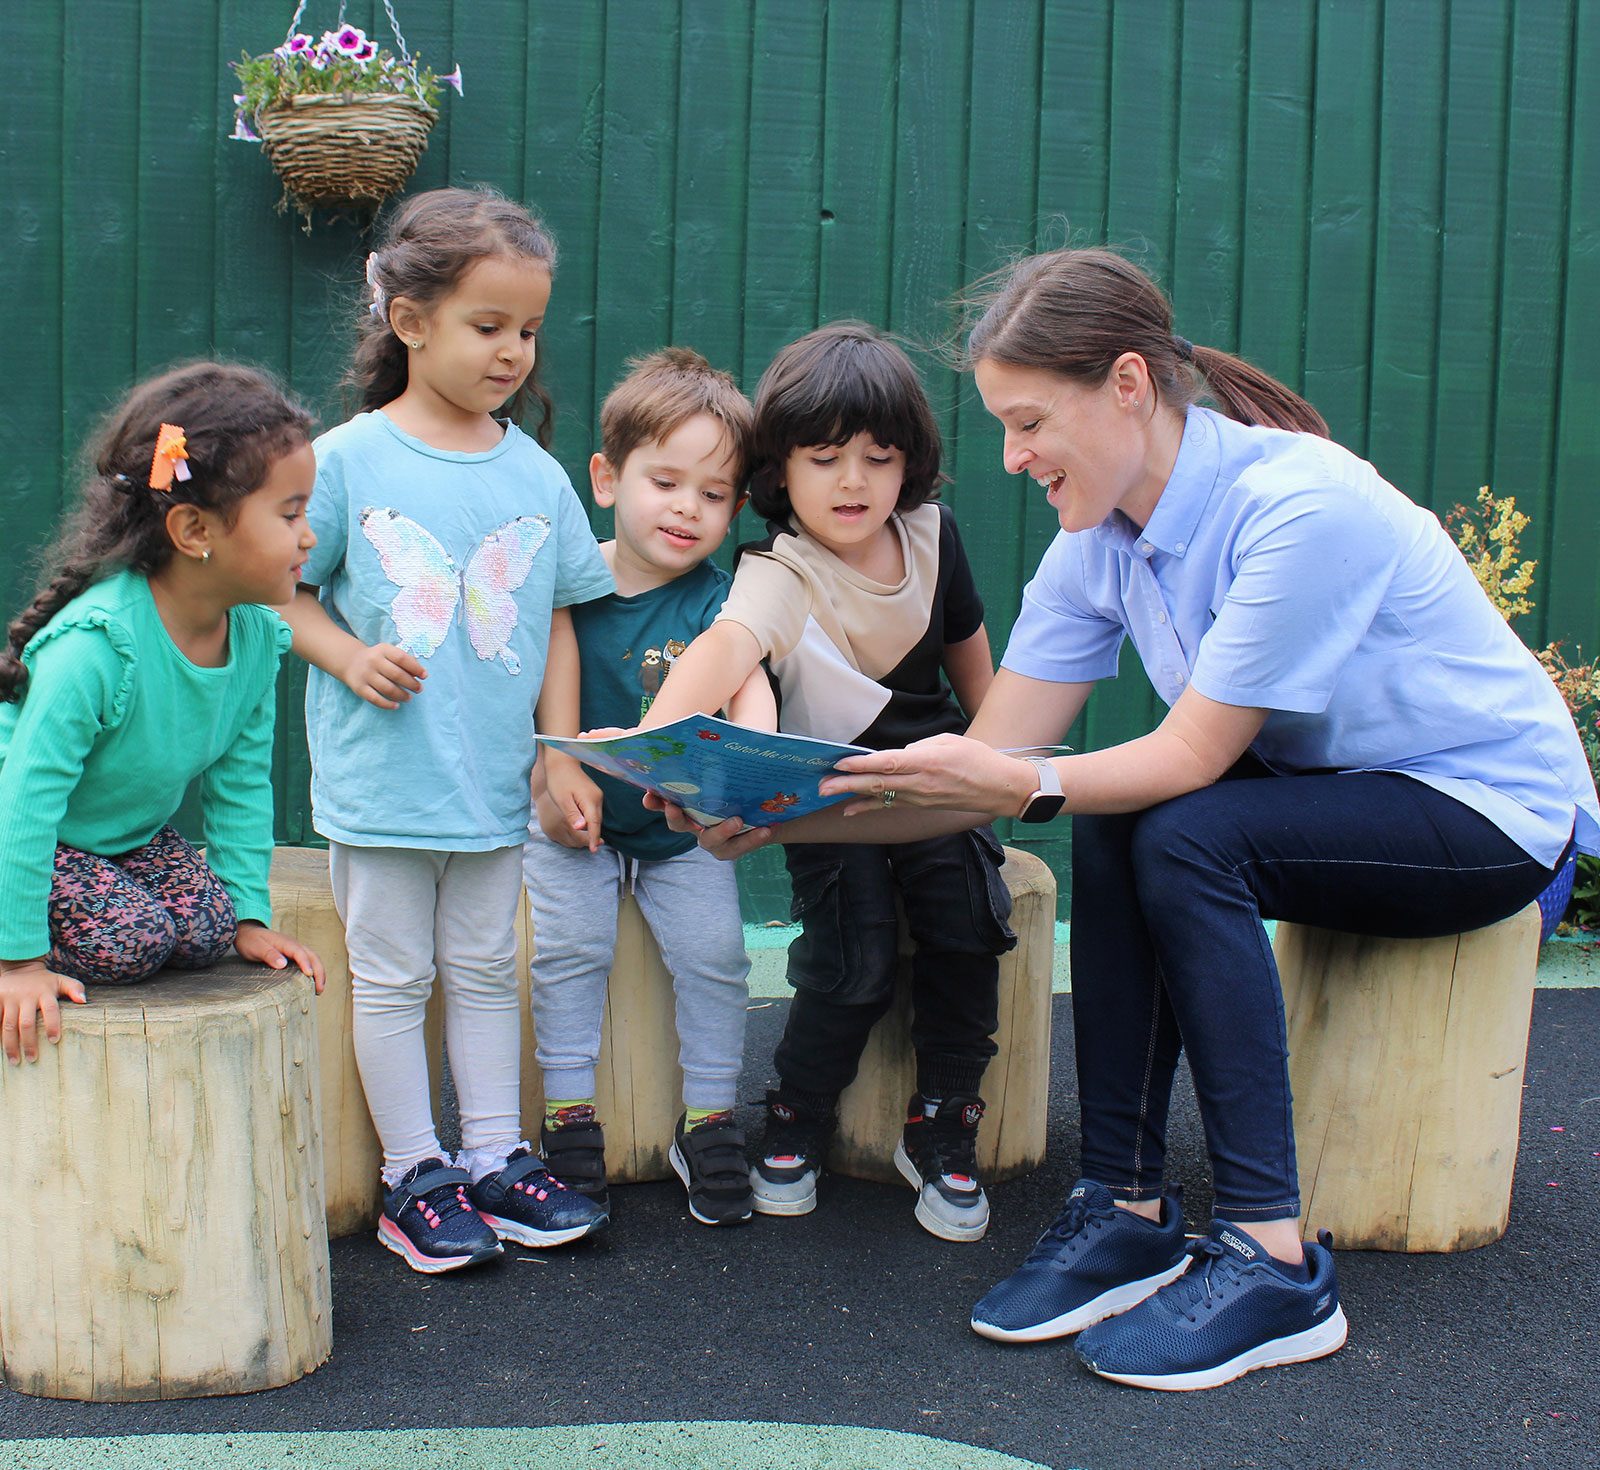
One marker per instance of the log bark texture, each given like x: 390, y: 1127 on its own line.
x: 1406, y: 1058
x: 173, y: 1243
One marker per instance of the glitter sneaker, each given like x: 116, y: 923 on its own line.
x: 429, y: 1223
x: 524, y: 1203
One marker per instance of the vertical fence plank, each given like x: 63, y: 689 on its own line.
x: 856, y: 224
x: 1277, y: 164
x: 565, y: 62
x: 1405, y: 315
x: 1532, y: 267
x: 1571, y: 577
x: 1210, y: 172
x: 489, y: 41
x: 1343, y: 218
x: 1469, y: 264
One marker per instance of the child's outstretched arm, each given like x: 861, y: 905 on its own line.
x: 381, y: 674
x: 707, y: 675
x: 969, y: 666
x: 755, y: 705
x: 570, y: 805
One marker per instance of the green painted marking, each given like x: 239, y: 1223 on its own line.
x: 751, y: 1446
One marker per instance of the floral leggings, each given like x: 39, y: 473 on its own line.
x: 115, y: 921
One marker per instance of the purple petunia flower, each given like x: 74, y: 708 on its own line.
x: 349, y: 41
x: 453, y: 80
x: 241, y: 130
x: 367, y: 53
x: 294, y: 46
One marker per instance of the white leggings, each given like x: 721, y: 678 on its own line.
x: 410, y: 913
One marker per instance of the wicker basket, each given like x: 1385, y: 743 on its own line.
x: 337, y: 149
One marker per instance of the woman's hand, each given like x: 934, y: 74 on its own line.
x: 383, y: 674
x: 263, y: 946
x: 29, y: 991
x: 949, y: 772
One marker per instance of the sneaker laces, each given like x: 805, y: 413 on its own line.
x: 443, y: 1202
x: 1212, y: 1274
x: 1075, y: 1221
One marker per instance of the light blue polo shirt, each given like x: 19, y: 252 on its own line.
x: 1281, y: 572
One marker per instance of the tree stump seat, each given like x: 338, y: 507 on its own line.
x: 173, y: 1242
x: 638, y: 1081
x: 1406, y: 1058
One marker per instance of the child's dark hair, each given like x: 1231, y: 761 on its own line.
x: 834, y: 383
x: 1075, y: 312
x: 663, y: 391
x: 237, y: 422
x: 430, y: 242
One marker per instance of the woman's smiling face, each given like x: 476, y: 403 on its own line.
x: 1082, y: 444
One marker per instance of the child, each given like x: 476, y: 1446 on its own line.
x: 860, y: 599
x: 143, y: 664
x: 675, y: 438
x: 450, y: 546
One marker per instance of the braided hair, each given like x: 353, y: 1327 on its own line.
x: 237, y: 423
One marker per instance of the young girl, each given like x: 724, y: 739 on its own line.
x: 141, y: 665
x: 862, y: 602
x: 449, y: 547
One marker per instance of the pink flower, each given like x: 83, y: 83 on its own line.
x: 453, y: 80
x: 296, y: 45
x: 368, y: 52
x: 349, y: 41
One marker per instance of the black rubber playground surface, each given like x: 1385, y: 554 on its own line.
x: 854, y: 1316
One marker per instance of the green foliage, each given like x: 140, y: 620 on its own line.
x: 1488, y: 539
x: 341, y: 62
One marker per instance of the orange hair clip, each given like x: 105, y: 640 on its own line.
x: 168, y: 463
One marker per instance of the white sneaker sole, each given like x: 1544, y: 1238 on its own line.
x: 1299, y: 1347
x: 926, y: 1216
x: 1107, y: 1304
x: 391, y: 1237
x: 539, y: 1239
x: 800, y: 1204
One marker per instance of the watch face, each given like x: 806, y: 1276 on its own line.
x: 1042, y: 806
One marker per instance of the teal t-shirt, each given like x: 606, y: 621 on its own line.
x: 113, y: 725
x: 626, y: 645
x: 459, y: 559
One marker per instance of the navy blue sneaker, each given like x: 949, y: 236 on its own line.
x: 1094, y: 1261
x: 524, y: 1203
x: 428, y: 1221
x: 1234, y: 1310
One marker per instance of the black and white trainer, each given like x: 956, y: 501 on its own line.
x: 574, y: 1151
x: 784, y: 1179
x: 938, y: 1157
x: 710, y: 1160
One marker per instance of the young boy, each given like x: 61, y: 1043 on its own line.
x: 674, y: 446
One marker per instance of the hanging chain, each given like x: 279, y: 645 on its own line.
x: 394, y: 25
x: 299, y: 10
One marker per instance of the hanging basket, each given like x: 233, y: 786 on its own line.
x: 332, y: 150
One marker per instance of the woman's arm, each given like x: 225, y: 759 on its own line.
x: 382, y: 674
x: 706, y: 675
x: 969, y: 665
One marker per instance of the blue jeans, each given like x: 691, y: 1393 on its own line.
x: 1168, y: 951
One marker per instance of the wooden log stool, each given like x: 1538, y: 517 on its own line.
x: 1016, y: 1086
x: 638, y: 1083
x: 173, y: 1241
x: 1406, y: 1058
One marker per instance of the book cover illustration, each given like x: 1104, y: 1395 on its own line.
x: 714, y: 769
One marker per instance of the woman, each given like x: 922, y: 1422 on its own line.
x: 1355, y: 740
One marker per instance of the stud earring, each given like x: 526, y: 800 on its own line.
x: 416, y: 346
x: 206, y: 554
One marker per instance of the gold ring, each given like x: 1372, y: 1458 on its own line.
x: 889, y: 796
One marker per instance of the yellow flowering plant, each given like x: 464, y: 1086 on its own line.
x: 1489, y: 538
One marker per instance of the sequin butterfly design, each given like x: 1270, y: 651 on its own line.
x: 434, y: 590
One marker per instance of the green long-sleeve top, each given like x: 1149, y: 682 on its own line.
x: 113, y: 725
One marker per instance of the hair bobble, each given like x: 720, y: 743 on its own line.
x: 380, y: 302
x: 1183, y: 347
x: 170, y: 461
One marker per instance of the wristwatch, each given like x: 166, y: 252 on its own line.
x: 1048, y: 800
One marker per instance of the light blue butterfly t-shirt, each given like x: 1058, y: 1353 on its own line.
x: 459, y: 559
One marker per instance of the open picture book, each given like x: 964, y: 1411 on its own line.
x: 714, y: 769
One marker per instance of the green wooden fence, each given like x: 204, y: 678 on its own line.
x: 1392, y: 204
